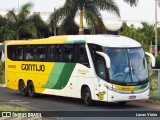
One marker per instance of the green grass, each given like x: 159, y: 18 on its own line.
x: 12, y: 108
x: 154, y: 88
x: 2, y: 79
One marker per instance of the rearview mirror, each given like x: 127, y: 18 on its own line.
x: 152, y: 58
x: 106, y: 57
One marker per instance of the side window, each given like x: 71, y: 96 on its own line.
x: 100, y: 67
x: 68, y: 53
x: 59, y: 53
x: 11, y: 50
x: 19, y: 53
x: 81, y: 54
x: 29, y: 53
x: 51, y: 56
x: 93, y: 48
x: 98, y: 61
x: 40, y: 53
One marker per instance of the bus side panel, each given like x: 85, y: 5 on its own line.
x: 85, y: 77
x: 76, y: 76
x: 101, y: 92
x: 10, y: 76
x: 71, y: 89
x: 11, y: 82
x: 41, y: 77
x: 58, y: 79
x: 24, y: 72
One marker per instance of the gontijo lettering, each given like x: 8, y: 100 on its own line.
x: 33, y: 67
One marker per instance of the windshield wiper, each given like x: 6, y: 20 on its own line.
x: 131, y: 68
x: 132, y: 72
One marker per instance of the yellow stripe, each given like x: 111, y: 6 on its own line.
x: 51, y: 40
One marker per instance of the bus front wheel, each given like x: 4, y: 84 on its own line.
x: 87, y: 96
x: 31, y: 90
x: 22, y: 88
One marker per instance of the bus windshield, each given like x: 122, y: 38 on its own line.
x: 128, y: 65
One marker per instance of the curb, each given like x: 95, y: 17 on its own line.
x: 2, y: 85
x: 151, y: 101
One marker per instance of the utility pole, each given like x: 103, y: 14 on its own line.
x: 55, y: 25
x: 18, y: 5
x: 156, y: 42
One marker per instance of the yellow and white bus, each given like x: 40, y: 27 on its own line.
x: 92, y: 67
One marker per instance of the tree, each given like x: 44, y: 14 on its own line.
x: 18, y: 25
x: 2, y: 22
x: 158, y: 37
x: 91, y: 10
x: 42, y: 28
x: 145, y: 35
x: 149, y: 32
x: 131, y: 2
x: 133, y: 33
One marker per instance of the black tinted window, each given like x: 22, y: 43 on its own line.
x: 11, y: 52
x: 29, y: 53
x: 81, y: 55
x: 68, y: 53
x: 75, y: 53
x: 40, y: 53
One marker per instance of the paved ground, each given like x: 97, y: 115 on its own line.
x: 54, y: 103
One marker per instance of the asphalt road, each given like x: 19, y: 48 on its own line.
x: 55, y: 103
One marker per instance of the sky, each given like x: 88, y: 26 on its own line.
x: 145, y: 11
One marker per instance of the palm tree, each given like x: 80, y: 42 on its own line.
x: 18, y: 25
x: 42, y: 28
x: 149, y: 32
x: 131, y: 2
x: 2, y: 22
x: 91, y: 10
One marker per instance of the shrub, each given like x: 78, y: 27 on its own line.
x: 2, y: 79
x: 157, y: 62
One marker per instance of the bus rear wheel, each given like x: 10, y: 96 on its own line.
x: 31, y: 90
x: 22, y: 88
x: 87, y: 96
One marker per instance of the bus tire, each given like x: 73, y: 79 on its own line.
x: 31, y: 90
x: 22, y: 88
x: 87, y: 98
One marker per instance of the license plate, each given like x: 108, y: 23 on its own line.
x: 132, y: 97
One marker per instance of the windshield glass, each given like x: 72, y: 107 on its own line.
x: 127, y: 65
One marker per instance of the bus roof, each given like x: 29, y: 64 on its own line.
x: 108, y: 40
x: 103, y: 40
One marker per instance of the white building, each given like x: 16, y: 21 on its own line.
x: 111, y: 24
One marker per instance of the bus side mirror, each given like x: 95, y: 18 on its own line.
x: 152, y: 58
x: 106, y: 57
